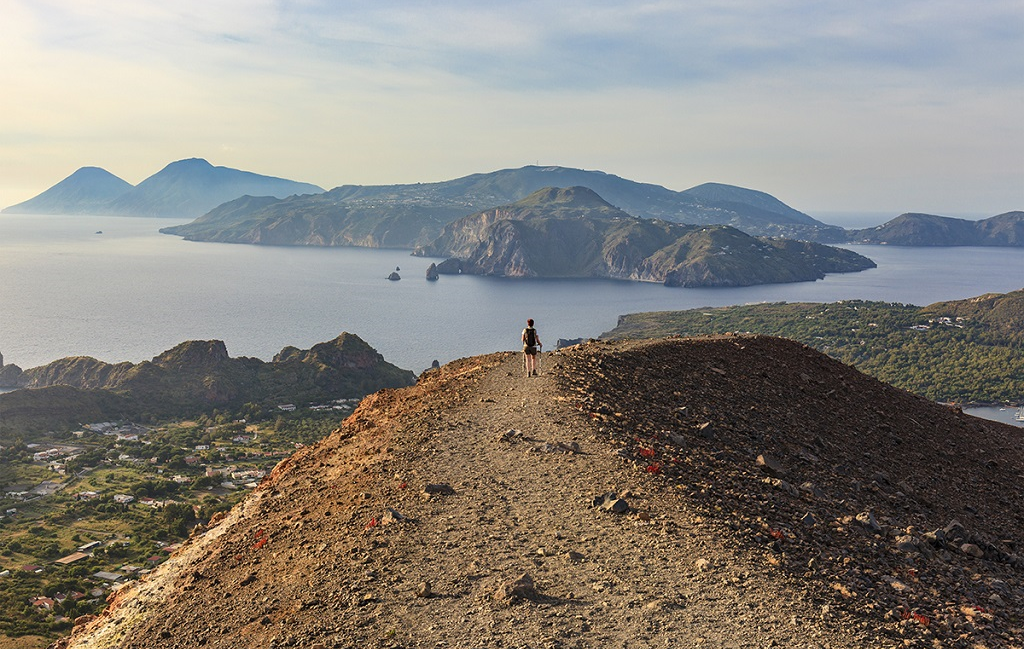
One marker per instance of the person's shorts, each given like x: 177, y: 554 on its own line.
x: 530, y: 349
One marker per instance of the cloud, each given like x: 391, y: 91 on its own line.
x: 909, y: 95
x: 550, y: 47
x: 598, y: 45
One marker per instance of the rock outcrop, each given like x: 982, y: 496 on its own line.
x: 11, y: 376
x: 198, y: 375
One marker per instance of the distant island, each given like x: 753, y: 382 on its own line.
x: 574, y: 233
x: 414, y: 215
x: 234, y: 206
x: 408, y: 216
x: 962, y: 351
x: 183, y: 189
x: 193, y: 377
x: 930, y: 230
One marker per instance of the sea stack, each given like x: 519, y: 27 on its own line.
x: 432, y: 274
x: 394, y: 276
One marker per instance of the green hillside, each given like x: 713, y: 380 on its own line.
x: 962, y: 351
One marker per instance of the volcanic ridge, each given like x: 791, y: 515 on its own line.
x: 733, y: 491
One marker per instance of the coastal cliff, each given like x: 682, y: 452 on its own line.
x: 573, y: 233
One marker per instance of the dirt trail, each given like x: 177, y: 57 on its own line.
x: 653, y: 576
x: 650, y: 577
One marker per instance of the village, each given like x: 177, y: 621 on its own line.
x: 944, y: 321
x: 84, y: 512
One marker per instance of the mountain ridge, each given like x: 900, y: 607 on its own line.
x: 191, y: 377
x: 766, y: 495
x: 411, y: 215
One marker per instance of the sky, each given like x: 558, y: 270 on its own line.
x: 884, y: 106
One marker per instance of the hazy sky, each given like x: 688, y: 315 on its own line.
x: 874, y: 105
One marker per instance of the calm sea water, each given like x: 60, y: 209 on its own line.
x: 129, y: 293
x: 1004, y: 415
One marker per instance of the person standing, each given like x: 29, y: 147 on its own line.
x: 531, y: 347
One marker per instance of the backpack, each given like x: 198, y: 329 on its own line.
x: 531, y: 337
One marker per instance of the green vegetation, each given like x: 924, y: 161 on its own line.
x: 173, y: 477
x: 175, y: 441
x: 964, y: 351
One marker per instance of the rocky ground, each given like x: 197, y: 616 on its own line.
x: 719, y: 492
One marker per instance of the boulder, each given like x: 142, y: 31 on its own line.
x: 907, y: 543
x: 441, y: 489
x: 867, y: 519
x: 610, y: 502
x: 519, y: 589
x: 391, y: 516
x: 770, y: 466
x: 972, y: 550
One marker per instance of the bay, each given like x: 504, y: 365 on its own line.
x: 129, y: 293
x: 1004, y: 415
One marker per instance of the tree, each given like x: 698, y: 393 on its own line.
x: 52, y: 551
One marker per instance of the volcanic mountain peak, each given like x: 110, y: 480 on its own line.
x: 730, y: 491
x: 185, y: 188
x: 87, y: 190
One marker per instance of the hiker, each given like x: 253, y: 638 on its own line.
x: 531, y: 347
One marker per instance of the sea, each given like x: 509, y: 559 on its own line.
x: 116, y: 289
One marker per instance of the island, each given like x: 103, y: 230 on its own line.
x: 574, y: 233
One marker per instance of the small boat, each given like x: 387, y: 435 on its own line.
x: 99, y: 231
x: 1019, y: 415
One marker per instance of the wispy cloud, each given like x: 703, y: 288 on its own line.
x: 767, y: 93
